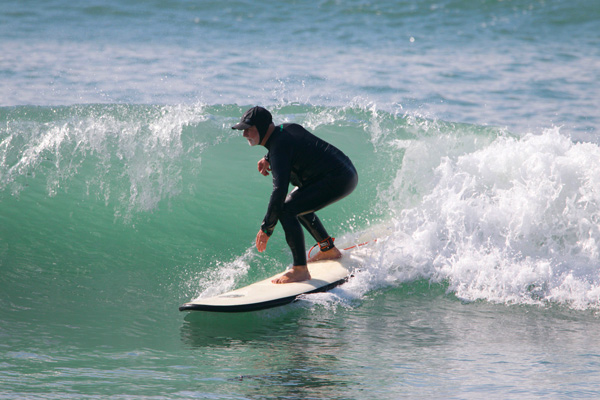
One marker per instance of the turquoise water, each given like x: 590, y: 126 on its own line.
x: 124, y: 193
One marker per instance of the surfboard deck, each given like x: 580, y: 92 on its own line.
x: 325, y: 275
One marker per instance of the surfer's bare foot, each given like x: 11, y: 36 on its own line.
x: 331, y: 254
x: 298, y: 273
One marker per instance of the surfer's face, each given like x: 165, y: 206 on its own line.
x: 251, y: 134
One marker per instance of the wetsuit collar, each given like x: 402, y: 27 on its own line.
x: 270, y: 131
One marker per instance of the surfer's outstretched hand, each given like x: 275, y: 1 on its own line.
x: 261, y: 241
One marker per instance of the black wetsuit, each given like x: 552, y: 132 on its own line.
x: 322, y: 175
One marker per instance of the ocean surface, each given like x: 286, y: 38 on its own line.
x: 475, y: 128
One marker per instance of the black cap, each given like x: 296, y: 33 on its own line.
x: 256, y: 116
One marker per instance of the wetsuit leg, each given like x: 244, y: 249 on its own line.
x: 313, y: 225
x: 302, y: 202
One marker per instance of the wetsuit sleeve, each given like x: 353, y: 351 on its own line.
x: 281, y: 166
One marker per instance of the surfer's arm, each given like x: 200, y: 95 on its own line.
x: 281, y: 168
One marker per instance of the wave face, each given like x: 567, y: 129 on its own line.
x: 171, y: 191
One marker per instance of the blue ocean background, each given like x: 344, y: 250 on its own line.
x: 473, y: 124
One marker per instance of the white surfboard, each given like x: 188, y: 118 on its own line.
x: 325, y: 275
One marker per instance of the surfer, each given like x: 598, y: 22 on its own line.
x: 321, y: 174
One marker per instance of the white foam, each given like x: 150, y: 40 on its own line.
x: 516, y: 221
x: 225, y: 276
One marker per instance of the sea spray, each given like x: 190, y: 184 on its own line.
x: 517, y: 221
x: 130, y: 156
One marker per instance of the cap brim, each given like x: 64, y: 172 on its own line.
x: 241, y: 126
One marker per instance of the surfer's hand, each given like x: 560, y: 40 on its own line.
x: 261, y: 241
x: 264, y: 167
